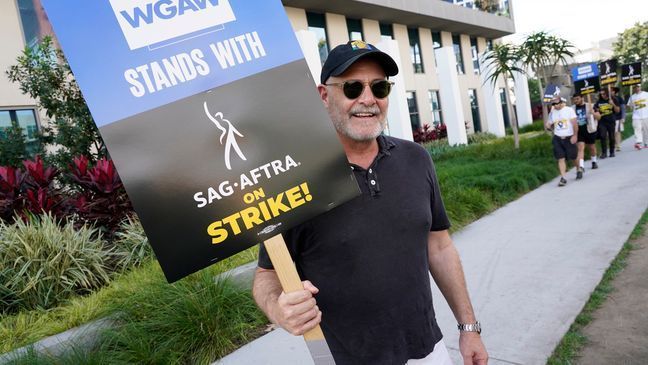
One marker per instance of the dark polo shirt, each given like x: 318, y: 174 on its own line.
x: 368, y: 257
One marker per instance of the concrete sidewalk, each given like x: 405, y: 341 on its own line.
x: 530, y: 266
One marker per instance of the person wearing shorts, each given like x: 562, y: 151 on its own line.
x: 562, y: 121
x: 586, y: 132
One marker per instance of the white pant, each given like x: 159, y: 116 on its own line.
x: 641, y: 130
x: 438, y: 356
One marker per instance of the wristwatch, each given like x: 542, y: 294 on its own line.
x: 470, y: 327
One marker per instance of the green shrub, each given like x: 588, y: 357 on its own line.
x: 193, y: 321
x: 131, y: 245
x: 481, y: 137
x: 44, y: 263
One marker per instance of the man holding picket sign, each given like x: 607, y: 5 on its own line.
x: 366, y: 264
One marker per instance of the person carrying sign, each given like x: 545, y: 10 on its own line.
x: 639, y: 104
x: 366, y: 264
x: 619, y: 117
x: 604, y: 110
x: 562, y: 121
x: 587, y: 127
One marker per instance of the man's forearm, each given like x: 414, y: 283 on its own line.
x: 446, y: 269
x: 266, y: 290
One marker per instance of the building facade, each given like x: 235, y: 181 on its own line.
x: 418, y: 26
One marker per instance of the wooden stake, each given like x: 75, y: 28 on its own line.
x: 290, y: 282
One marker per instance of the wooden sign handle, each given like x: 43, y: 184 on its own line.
x: 288, y: 277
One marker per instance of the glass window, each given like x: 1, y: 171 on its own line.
x: 386, y: 31
x: 435, y: 107
x: 413, y: 110
x: 456, y: 44
x: 317, y: 25
x: 489, y: 44
x: 436, y: 43
x: 355, y: 29
x: 474, y: 54
x: 415, y: 50
x: 474, y: 108
x: 24, y: 118
x: 505, y: 109
x: 34, y: 21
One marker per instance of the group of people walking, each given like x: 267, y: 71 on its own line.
x: 580, y: 125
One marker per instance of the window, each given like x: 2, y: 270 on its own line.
x: 505, y: 109
x: 317, y: 25
x: 355, y: 29
x: 415, y: 50
x: 456, y: 44
x: 413, y: 110
x: 25, y: 119
x: 386, y: 31
x: 34, y: 22
x: 435, y: 107
x: 474, y: 108
x: 489, y: 44
x: 475, y: 55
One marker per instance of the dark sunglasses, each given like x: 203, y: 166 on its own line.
x: 353, y: 88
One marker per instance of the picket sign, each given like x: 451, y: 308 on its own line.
x: 290, y: 282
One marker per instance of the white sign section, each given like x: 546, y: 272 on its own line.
x: 148, y: 22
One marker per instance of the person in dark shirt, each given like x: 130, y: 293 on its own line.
x: 619, y: 117
x: 587, y: 131
x: 366, y: 264
x: 604, y: 111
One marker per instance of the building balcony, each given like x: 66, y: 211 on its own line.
x: 454, y: 16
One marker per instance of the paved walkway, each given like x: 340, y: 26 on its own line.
x: 530, y: 266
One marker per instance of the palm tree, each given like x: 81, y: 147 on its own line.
x: 502, y: 61
x: 540, y: 51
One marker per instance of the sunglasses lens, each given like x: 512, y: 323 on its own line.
x: 381, y: 89
x: 352, y: 89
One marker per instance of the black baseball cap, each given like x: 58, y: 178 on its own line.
x: 345, y: 55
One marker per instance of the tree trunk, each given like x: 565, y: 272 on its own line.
x: 513, y: 118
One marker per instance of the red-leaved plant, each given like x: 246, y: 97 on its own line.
x: 102, y: 199
x: 10, y: 197
x: 428, y: 134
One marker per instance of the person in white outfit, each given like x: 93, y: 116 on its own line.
x: 639, y: 104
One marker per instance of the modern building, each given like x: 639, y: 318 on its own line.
x: 419, y: 27
x: 21, y: 23
x: 466, y: 28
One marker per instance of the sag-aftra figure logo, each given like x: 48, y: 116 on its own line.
x: 229, y: 133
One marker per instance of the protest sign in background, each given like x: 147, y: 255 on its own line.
x: 209, y: 112
x: 585, y: 71
x: 587, y: 86
x: 631, y: 74
x: 608, y: 72
x: 551, y: 91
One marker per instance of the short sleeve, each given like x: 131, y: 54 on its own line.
x: 571, y: 112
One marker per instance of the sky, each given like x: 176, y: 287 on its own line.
x: 579, y: 21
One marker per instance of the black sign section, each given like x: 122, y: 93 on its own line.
x: 587, y: 86
x: 631, y: 74
x: 608, y: 72
x: 287, y: 166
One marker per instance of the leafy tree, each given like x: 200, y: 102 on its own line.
x: 542, y: 51
x: 12, y: 145
x: 502, y: 62
x: 632, y: 46
x: 534, y: 94
x: 44, y: 74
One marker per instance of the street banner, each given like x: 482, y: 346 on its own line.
x: 585, y: 71
x: 210, y: 114
x: 631, y: 74
x: 608, y: 72
x: 551, y: 91
x: 587, y: 86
